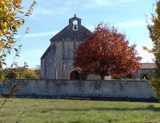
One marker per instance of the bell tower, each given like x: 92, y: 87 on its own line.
x: 75, y: 23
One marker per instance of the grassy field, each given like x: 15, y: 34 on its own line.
x: 77, y: 111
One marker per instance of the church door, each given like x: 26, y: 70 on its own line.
x: 74, y: 75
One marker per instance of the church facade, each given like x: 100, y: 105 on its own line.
x: 57, y: 61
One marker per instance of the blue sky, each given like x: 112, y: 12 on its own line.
x: 51, y: 16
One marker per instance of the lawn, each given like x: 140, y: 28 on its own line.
x: 77, y: 111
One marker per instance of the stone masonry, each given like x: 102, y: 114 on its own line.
x: 50, y: 88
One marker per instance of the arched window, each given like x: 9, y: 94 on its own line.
x: 75, y: 25
x: 74, y: 75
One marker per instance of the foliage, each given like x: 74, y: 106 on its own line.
x: 9, y: 23
x: 144, y: 79
x: 155, y: 83
x: 37, y: 71
x: 106, y: 52
x: 137, y: 79
x: 154, y: 33
x: 130, y: 79
x: 21, y: 73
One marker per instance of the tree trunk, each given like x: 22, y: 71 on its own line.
x: 102, y: 77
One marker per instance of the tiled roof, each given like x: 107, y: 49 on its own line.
x: 148, y: 65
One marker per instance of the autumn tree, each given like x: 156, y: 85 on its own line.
x: 37, y: 71
x: 106, y: 52
x: 154, y: 33
x: 21, y: 73
x: 10, y: 21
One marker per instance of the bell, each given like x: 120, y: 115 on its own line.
x: 75, y: 27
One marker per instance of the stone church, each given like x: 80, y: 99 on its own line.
x: 57, y: 61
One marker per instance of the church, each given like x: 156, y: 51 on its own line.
x: 57, y: 60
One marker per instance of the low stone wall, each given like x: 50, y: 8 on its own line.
x: 89, y: 89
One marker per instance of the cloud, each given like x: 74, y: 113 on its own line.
x: 127, y: 1
x: 125, y: 25
x: 52, y: 8
x: 91, y: 28
x: 147, y: 57
x: 38, y: 34
x: 38, y: 13
x: 98, y: 4
x: 106, y: 3
x: 133, y: 24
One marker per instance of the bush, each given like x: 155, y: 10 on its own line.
x: 132, y: 79
x: 144, y: 79
x: 21, y: 73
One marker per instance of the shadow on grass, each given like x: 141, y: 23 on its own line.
x: 115, y: 109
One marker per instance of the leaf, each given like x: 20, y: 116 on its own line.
x: 15, y: 49
x: 154, y: 18
x: 5, y: 55
x: 2, y: 2
x: 23, y: 21
x: 4, y: 63
x: 1, y: 33
x: 15, y: 63
x: 11, y: 42
x: 18, y: 25
x: 20, y: 11
x: 145, y: 48
x: 149, y: 51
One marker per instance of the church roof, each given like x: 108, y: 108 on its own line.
x: 72, y: 32
x: 148, y: 66
x: 47, y: 51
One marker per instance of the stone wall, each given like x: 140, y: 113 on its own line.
x: 141, y: 73
x: 69, y: 88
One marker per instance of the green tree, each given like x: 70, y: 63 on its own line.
x: 154, y: 33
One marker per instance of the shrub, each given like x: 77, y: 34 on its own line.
x: 144, y: 79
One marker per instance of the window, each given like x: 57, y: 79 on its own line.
x: 75, y: 25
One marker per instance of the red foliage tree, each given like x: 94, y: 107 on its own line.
x: 106, y: 52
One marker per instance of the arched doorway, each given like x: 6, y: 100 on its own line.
x: 146, y: 76
x: 74, y: 75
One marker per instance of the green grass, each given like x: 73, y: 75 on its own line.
x: 76, y: 111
